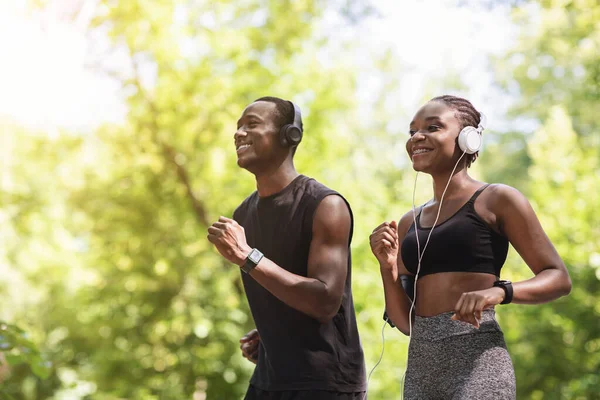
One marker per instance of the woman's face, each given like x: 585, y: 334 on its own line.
x: 432, y: 146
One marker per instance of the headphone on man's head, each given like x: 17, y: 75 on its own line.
x: 469, y: 138
x: 291, y: 134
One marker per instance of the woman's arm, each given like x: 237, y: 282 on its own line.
x: 517, y: 220
x: 385, y: 244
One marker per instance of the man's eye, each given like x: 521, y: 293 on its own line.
x: 412, y: 132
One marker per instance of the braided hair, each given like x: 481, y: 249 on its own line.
x: 466, y: 114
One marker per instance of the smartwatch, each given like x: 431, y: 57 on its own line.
x: 252, y: 260
x: 508, y: 290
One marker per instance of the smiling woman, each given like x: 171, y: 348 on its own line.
x: 457, y: 278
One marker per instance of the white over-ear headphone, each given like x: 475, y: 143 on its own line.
x: 469, y: 138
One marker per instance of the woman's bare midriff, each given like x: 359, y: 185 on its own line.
x: 439, y: 293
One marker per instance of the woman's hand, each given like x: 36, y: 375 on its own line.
x: 384, y: 244
x: 471, y: 304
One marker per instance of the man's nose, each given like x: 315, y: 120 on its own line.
x: 239, y: 133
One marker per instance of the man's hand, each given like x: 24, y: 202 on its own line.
x: 249, y: 345
x: 230, y: 239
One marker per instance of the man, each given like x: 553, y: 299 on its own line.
x: 291, y: 239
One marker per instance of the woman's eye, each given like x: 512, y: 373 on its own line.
x: 412, y: 132
x: 433, y: 128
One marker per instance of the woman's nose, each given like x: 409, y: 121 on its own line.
x: 418, y: 135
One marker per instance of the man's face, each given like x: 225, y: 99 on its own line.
x: 257, y: 138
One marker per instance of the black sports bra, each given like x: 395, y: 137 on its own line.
x: 462, y: 243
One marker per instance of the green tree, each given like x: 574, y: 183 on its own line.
x: 553, y: 71
x: 134, y: 302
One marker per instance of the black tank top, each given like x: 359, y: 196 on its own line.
x: 462, y: 243
x: 297, y: 352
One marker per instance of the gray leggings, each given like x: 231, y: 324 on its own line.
x: 453, y: 360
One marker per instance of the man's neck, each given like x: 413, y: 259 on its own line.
x: 271, y: 182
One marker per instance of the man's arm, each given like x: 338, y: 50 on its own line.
x: 319, y: 294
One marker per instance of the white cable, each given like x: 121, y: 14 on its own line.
x: 380, y: 357
x: 420, y: 254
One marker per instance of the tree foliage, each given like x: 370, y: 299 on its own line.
x: 103, y: 249
x: 135, y: 303
x: 553, y: 72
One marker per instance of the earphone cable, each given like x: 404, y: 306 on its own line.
x: 380, y: 357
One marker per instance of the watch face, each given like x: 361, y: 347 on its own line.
x: 254, y: 256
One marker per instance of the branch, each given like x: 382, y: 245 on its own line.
x: 182, y: 174
x: 170, y: 152
x: 171, y: 156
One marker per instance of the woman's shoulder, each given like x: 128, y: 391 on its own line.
x: 503, y: 191
x: 499, y: 197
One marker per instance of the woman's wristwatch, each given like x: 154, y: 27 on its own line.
x: 508, y: 290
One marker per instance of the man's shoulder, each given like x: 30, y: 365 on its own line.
x: 316, y: 189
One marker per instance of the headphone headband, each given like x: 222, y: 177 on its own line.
x: 297, y: 116
x: 482, y: 122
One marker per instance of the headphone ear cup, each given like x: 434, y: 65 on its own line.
x: 469, y: 140
x: 283, y: 136
x: 293, y: 135
x: 290, y: 135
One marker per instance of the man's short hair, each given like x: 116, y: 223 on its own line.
x: 284, y: 113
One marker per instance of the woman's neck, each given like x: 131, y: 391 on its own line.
x: 458, y: 182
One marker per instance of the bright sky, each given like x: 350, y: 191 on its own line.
x: 436, y: 38
x: 44, y: 82
x: 43, y: 79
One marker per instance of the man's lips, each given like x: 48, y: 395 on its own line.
x: 241, y: 148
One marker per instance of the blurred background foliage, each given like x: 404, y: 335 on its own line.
x: 108, y: 286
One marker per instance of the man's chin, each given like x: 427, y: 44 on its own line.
x: 244, y: 163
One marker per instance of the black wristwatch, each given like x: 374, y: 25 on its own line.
x: 252, y: 260
x: 508, y: 290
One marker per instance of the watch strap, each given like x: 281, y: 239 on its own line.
x: 508, y: 290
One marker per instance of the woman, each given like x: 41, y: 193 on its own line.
x: 457, y: 350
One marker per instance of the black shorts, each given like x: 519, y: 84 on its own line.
x: 254, y: 393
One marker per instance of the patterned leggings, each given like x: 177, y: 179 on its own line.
x: 453, y: 360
